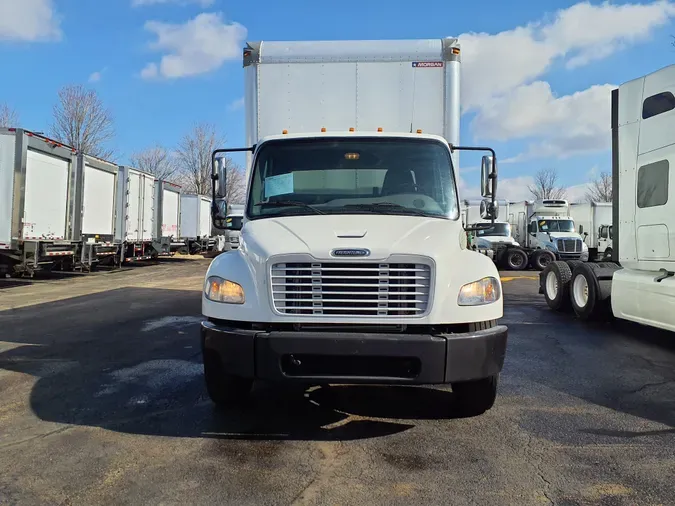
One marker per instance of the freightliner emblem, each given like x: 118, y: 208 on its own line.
x: 350, y: 252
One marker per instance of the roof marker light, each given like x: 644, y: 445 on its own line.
x: 419, y: 131
x: 323, y: 129
x: 351, y: 129
x: 284, y: 132
x: 379, y: 129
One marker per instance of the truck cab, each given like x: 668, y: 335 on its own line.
x: 353, y: 265
x: 550, y: 227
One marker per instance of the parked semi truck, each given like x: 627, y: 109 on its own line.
x: 638, y: 284
x: 195, y: 223
x: 353, y: 264
x: 593, y: 222
x: 93, y: 213
x: 545, y: 232
x: 166, y: 239
x: 36, y: 187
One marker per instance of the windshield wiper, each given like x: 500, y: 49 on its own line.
x: 387, y: 206
x: 294, y: 203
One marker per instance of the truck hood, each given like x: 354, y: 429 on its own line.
x: 564, y: 235
x: 498, y: 238
x: 318, y: 235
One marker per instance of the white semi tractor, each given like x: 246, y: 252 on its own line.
x: 593, y: 221
x: 353, y: 264
x: 638, y: 284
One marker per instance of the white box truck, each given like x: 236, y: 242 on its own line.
x: 593, y: 221
x: 134, y: 226
x: 639, y: 283
x: 35, y: 201
x: 545, y: 232
x: 93, y: 214
x: 195, y: 223
x: 353, y: 264
x: 167, y: 236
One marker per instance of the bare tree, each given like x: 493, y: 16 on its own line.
x: 8, y: 117
x: 193, y: 157
x: 546, y: 185
x: 600, y: 189
x: 81, y: 121
x: 155, y: 160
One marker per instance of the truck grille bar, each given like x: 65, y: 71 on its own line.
x: 351, y: 288
x: 569, y: 245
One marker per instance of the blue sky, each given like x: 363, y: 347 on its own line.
x: 536, y: 75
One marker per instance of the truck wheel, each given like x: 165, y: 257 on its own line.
x: 516, y: 259
x: 541, y: 259
x: 584, y: 291
x: 607, y: 255
x: 474, y: 398
x: 555, y: 279
x: 223, y: 389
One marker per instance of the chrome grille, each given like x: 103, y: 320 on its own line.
x: 351, y: 289
x: 569, y: 245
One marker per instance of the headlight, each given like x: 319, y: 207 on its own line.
x: 478, y: 293
x: 223, y: 290
x: 584, y: 246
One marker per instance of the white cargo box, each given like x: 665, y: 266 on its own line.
x: 396, y: 85
x: 167, y: 209
x: 135, y: 205
x: 195, y: 216
x: 35, y: 188
x: 94, y: 203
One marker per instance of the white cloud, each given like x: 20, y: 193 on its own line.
x: 200, y: 45
x: 570, y: 125
x: 29, y: 20
x: 97, y: 76
x: 494, y: 64
x: 201, y: 3
x: 235, y: 105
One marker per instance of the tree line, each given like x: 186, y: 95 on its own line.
x: 546, y: 186
x: 81, y: 120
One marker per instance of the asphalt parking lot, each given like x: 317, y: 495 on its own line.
x: 102, y: 402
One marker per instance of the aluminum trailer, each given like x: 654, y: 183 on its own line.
x: 195, y: 223
x: 638, y: 284
x: 134, y: 223
x: 35, y: 201
x: 167, y: 237
x: 93, y: 214
x: 593, y: 221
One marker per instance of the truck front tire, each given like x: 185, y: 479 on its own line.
x: 516, y: 259
x: 541, y: 259
x: 223, y: 389
x: 474, y: 398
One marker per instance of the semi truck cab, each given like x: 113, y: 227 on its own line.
x: 550, y: 227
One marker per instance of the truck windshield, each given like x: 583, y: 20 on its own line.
x: 234, y: 222
x: 556, y: 225
x: 498, y: 229
x: 353, y: 176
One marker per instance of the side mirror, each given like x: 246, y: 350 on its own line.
x: 581, y: 230
x: 488, y: 171
x: 219, y: 214
x: 489, y: 210
x: 221, y: 182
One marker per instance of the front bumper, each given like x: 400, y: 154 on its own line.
x: 342, y: 357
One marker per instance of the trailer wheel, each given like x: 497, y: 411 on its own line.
x: 584, y: 293
x: 223, y: 389
x: 516, y: 259
x: 541, y: 259
x: 474, y: 398
x: 555, y: 280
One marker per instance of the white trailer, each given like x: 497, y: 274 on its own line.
x: 93, y: 214
x: 353, y: 264
x: 134, y: 224
x: 167, y: 235
x: 639, y: 283
x: 593, y: 221
x: 195, y: 223
x: 35, y: 201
